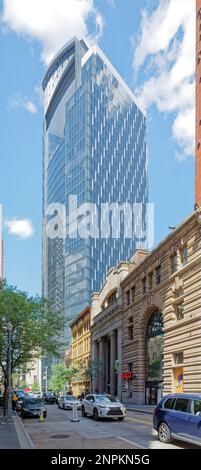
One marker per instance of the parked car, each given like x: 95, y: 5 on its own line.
x: 178, y: 416
x: 33, y: 407
x: 49, y: 397
x: 19, y: 402
x: 67, y: 401
x: 103, y: 406
x: 37, y: 394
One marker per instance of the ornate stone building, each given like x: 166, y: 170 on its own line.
x: 161, y: 318
x: 107, y: 328
x: 81, y: 351
x: 107, y: 332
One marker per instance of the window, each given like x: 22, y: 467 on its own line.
x: 181, y: 405
x: 130, y: 367
x: 133, y: 294
x: 179, y: 358
x: 150, y: 280
x: 174, y: 263
x: 158, y: 274
x: 179, y: 293
x: 184, y: 256
x: 195, y: 408
x: 180, y: 311
x: 112, y: 297
x: 130, y: 328
x: 128, y: 297
x: 169, y: 403
x: 144, y: 285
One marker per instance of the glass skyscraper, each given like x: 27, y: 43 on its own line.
x: 94, y: 149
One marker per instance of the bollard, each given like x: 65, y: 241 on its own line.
x: 41, y: 418
x: 75, y: 418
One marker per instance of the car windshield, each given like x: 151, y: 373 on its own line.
x: 67, y: 397
x: 33, y: 401
x: 108, y: 398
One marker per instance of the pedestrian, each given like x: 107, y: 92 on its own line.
x: 14, y: 400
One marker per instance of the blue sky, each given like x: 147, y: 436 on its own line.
x: 152, y: 50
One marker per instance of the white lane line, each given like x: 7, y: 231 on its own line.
x: 131, y: 442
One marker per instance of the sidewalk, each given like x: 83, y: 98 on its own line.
x: 148, y: 409
x: 14, y: 435
x: 8, y: 434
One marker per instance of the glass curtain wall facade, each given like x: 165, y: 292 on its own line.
x: 94, y: 149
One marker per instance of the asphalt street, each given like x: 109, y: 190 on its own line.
x: 58, y: 432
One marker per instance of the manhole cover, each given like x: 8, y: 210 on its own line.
x: 59, y: 436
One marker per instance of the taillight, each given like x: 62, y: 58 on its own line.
x: 154, y: 410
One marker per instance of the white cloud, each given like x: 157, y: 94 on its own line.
x: 166, y: 50
x: 19, y: 101
x: 52, y: 22
x: 21, y: 228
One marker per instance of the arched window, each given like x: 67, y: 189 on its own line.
x: 155, y: 325
x: 154, y: 347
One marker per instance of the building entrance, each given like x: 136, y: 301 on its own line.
x: 154, y: 359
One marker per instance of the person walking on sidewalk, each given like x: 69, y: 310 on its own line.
x: 14, y: 400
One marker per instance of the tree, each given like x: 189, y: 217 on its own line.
x: 31, y: 324
x: 60, y: 376
x: 96, y: 369
x: 35, y: 387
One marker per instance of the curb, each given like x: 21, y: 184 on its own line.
x: 137, y: 410
x: 23, y: 437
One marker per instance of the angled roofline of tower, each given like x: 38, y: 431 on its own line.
x: 57, y: 56
x: 97, y: 50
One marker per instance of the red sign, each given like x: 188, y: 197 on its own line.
x: 127, y: 375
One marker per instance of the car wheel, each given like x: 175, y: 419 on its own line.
x: 58, y: 405
x: 121, y: 419
x: 95, y: 414
x: 84, y: 415
x: 164, y: 433
x: 63, y: 407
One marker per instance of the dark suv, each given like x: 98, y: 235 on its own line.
x: 178, y: 416
x: 49, y: 397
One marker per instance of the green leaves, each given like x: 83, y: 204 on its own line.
x: 34, y: 327
x: 60, y: 376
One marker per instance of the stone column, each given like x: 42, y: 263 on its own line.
x: 101, y: 381
x: 107, y: 359
x: 112, y: 361
x: 95, y: 359
x: 119, y: 357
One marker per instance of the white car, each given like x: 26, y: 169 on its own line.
x: 103, y: 406
x: 66, y: 402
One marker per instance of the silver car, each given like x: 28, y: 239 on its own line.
x: 66, y: 402
x: 103, y: 406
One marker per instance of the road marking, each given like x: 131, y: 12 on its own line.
x: 138, y: 420
x: 131, y: 442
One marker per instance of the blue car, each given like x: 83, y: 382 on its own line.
x: 178, y: 416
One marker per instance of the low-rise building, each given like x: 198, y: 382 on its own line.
x: 81, y: 351
x: 161, y: 318
x: 106, y: 329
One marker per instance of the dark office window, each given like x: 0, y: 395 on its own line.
x: 128, y: 297
x: 130, y: 328
x: 133, y: 294
x: 144, y: 285
x: 158, y: 274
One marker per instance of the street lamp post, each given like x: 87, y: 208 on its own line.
x: 9, y: 408
x: 45, y: 377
